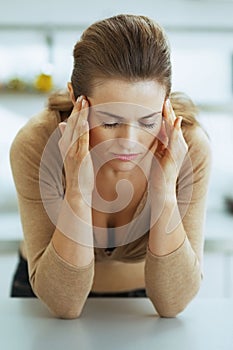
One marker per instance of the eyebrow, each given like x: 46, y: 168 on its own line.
x: 122, y: 118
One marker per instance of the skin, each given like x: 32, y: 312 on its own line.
x: 139, y: 105
x: 96, y: 149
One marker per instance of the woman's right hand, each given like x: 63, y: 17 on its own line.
x: 74, y: 148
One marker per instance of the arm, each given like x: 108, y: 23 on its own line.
x: 173, y: 262
x: 60, y: 270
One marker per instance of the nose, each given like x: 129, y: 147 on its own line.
x: 127, y: 138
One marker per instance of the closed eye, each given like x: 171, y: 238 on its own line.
x: 110, y: 125
x: 149, y: 126
x: 115, y: 125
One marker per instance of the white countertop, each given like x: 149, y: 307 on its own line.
x: 117, y: 323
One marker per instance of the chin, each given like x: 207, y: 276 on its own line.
x: 122, y: 166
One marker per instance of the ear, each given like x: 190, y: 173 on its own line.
x: 71, y: 92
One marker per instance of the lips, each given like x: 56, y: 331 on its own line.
x: 126, y: 157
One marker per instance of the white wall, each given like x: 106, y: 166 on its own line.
x: 200, y: 32
x: 170, y: 12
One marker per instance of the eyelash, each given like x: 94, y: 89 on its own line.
x: 110, y: 126
x: 115, y: 125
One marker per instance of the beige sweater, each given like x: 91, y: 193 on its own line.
x: 171, y: 281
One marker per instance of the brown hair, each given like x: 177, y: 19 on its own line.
x: 126, y: 47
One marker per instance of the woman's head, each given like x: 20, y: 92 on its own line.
x: 123, y: 47
x: 126, y: 48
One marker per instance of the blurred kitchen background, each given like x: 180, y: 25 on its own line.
x: 36, y: 42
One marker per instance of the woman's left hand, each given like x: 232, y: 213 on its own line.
x: 169, y: 150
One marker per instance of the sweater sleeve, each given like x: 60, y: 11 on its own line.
x: 61, y: 286
x: 173, y: 280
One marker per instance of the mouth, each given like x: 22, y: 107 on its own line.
x: 126, y: 157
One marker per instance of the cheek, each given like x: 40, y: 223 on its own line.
x: 98, y: 137
x: 147, y: 138
x: 95, y: 137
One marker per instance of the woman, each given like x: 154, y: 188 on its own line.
x: 112, y: 178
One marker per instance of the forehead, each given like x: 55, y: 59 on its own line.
x: 149, y: 94
x: 123, y: 110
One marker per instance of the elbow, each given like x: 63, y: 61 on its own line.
x: 172, y: 305
x: 60, y: 297
x: 170, y: 311
x: 61, y: 306
x: 66, y: 313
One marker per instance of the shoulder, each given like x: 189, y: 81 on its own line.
x: 199, y: 144
x: 29, y: 142
x: 196, y: 168
x: 195, y: 135
x: 36, y: 132
x: 39, y: 127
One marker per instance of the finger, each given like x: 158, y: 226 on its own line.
x: 161, y: 149
x: 152, y: 151
x: 73, y: 121
x: 62, y: 143
x: 163, y: 136
x: 177, y: 131
x: 73, y: 129
x: 68, y: 129
x: 168, y: 112
x: 73, y: 118
x: 166, y: 147
x: 83, y: 142
x: 178, y: 122
x: 62, y: 127
x: 77, y: 105
x: 154, y: 146
x: 82, y: 118
x: 177, y: 144
x: 84, y: 111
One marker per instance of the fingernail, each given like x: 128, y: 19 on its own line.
x: 83, y: 103
x: 62, y: 127
x: 168, y: 103
x: 79, y: 98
